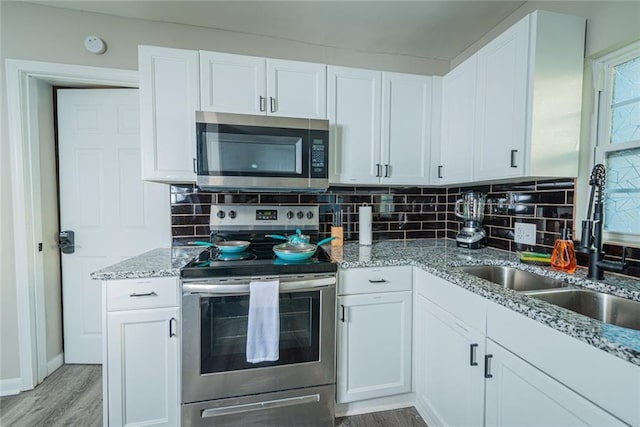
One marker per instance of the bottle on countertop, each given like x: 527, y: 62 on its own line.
x: 563, y: 257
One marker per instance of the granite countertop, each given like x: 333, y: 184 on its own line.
x: 161, y: 262
x: 440, y: 256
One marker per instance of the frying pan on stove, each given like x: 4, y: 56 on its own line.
x: 226, y: 246
x: 289, y: 252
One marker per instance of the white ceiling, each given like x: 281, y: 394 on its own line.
x: 425, y: 29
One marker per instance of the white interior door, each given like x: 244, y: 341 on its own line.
x: 114, y: 214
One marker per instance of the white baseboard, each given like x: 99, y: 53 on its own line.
x: 10, y: 386
x: 55, y: 363
x: 375, y: 405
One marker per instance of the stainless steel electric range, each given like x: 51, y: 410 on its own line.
x: 219, y: 386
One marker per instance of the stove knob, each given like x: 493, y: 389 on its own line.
x: 300, y: 215
x: 289, y: 214
x: 309, y: 215
x: 220, y: 214
x: 232, y: 214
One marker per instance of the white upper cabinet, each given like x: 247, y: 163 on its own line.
x: 501, y: 104
x: 169, y: 97
x: 406, y: 128
x: 232, y: 83
x: 296, y: 89
x: 513, y: 109
x: 381, y: 126
x: 354, y: 105
x: 458, y: 120
x: 252, y: 85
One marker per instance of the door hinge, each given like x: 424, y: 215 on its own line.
x: 40, y: 247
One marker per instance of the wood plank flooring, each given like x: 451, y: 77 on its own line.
x: 72, y: 396
x: 406, y: 417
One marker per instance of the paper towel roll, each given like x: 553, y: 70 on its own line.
x: 365, y: 225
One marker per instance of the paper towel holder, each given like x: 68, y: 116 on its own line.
x: 365, y: 226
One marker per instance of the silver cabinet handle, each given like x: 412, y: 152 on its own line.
x: 147, y: 294
x: 513, y: 158
x: 387, y: 171
x: 440, y: 168
x: 173, y: 323
x: 272, y: 102
x: 195, y: 166
x: 263, y: 103
x: 377, y: 281
x: 378, y: 170
x: 342, y: 316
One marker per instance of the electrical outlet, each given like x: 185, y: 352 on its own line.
x: 525, y: 233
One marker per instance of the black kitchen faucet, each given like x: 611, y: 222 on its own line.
x: 592, y: 229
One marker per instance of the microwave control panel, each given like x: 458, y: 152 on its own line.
x: 319, y: 155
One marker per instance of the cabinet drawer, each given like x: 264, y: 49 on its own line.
x: 461, y: 303
x: 142, y: 293
x: 374, y: 279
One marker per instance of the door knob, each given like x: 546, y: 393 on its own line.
x: 66, y: 242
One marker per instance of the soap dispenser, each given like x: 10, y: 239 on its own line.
x: 563, y: 257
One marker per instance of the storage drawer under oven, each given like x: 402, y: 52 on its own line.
x: 312, y: 407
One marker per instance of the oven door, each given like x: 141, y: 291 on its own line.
x: 214, y: 329
x: 239, y: 151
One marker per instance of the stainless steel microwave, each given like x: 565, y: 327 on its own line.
x: 261, y: 153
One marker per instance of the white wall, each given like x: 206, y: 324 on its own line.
x: 609, y: 23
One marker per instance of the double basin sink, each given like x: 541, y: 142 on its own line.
x: 596, y: 305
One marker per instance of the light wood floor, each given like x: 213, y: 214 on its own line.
x: 72, y: 396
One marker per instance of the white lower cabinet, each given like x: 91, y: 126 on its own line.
x: 543, y: 385
x: 374, y: 334
x: 141, y: 349
x: 517, y: 393
x: 449, y: 375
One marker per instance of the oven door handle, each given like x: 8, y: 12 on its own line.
x: 243, y: 288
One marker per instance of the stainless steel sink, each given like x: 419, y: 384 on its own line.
x: 597, y: 305
x: 513, y: 278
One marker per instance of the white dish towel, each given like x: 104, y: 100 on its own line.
x: 263, y: 329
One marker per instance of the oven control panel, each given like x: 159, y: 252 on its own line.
x: 248, y: 217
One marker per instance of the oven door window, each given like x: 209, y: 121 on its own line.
x: 225, y: 150
x: 223, y: 329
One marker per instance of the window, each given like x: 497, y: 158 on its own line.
x: 618, y: 141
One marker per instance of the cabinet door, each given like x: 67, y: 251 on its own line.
x: 169, y: 98
x: 232, y: 83
x: 406, y: 128
x: 449, y: 367
x: 458, y: 121
x: 142, y: 363
x: 354, y: 103
x: 501, y: 104
x: 296, y: 89
x: 374, y: 339
x: 519, y: 394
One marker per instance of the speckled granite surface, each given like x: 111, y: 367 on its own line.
x: 162, y: 262
x: 440, y: 257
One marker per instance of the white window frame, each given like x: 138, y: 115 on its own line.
x: 601, y: 131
